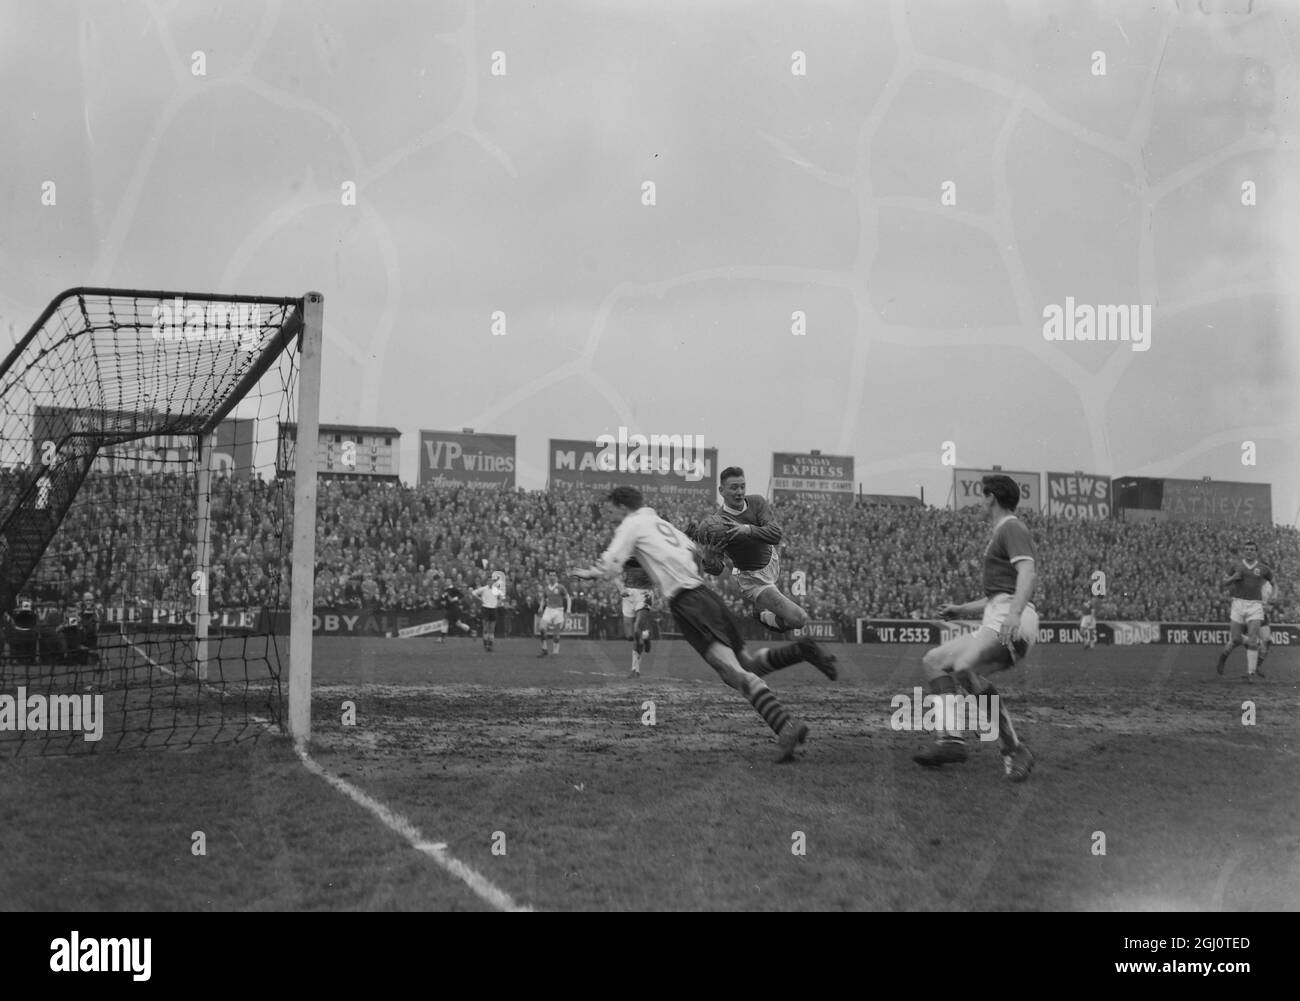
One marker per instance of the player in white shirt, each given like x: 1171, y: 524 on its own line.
x: 672, y: 561
x: 490, y: 596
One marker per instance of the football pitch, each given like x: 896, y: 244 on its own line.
x: 563, y: 784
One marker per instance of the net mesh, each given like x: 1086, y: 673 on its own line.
x: 138, y: 427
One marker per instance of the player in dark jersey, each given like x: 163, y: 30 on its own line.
x: 750, y: 542
x: 556, y: 604
x: 638, y: 596
x: 1245, y: 581
x: 453, y: 603
x: 672, y: 561
x: 1008, y: 631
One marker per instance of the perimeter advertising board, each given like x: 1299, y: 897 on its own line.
x: 967, y: 491
x: 480, y: 461
x: 667, y: 468
x: 812, y: 476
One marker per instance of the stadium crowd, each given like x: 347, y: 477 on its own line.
x: 131, y: 538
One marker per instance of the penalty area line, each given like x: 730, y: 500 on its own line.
x: 395, y: 822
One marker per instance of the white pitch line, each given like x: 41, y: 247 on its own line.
x: 436, y: 850
x: 152, y: 662
x: 485, y: 890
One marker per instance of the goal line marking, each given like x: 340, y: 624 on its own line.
x: 152, y: 662
x: 484, y: 889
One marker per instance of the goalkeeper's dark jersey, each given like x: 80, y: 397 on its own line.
x: 753, y: 551
x: 451, y: 598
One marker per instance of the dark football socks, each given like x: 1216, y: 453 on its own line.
x: 771, y: 659
x: 774, y: 714
x: 941, y: 686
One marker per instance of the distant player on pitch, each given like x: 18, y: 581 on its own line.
x: 671, y: 560
x: 490, y: 597
x: 638, y: 595
x: 1245, y: 581
x: 750, y: 538
x: 1088, y: 628
x: 1265, y: 631
x: 452, y: 601
x: 556, y: 603
x: 1004, y: 638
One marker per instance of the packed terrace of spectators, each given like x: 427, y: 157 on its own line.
x: 131, y: 538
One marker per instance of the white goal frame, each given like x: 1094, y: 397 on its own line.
x: 302, y: 591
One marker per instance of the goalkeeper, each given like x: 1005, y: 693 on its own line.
x: 744, y: 530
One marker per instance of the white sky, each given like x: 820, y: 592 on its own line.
x: 775, y: 193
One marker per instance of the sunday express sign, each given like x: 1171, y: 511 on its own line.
x: 805, y: 476
x: 1078, y: 496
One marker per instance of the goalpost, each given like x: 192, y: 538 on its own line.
x: 145, y: 557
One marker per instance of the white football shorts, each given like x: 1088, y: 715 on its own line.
x: 552, y: 618
x: 635, y: 599
x: 752, y: 583
x: 995, y: 613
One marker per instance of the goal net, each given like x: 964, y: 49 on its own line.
x: 145, y: 534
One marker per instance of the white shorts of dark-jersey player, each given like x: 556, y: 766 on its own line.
x: 672, y: 562
x: 1004, y: 638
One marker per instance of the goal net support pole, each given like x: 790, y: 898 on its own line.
x: 303, y: 576
x: 202, y: 557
